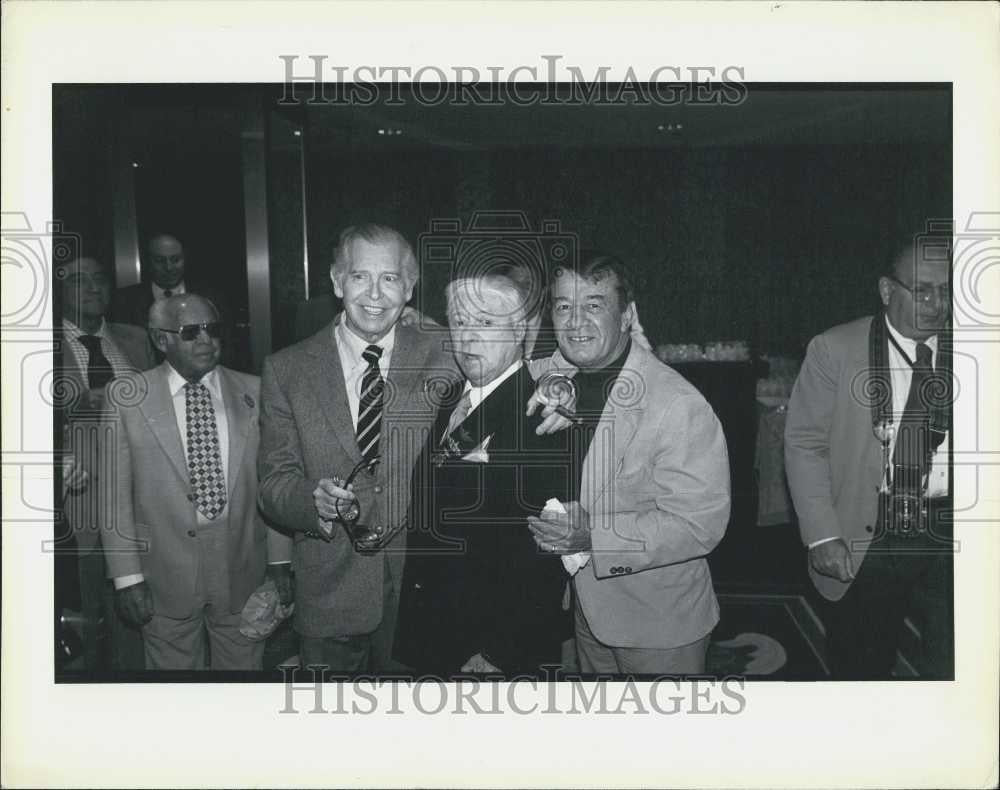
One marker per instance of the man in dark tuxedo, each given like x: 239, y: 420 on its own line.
x: 478, y: 594
x: 90, y: 353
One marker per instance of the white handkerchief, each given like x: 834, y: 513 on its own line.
x: 478, y: 454
x: 571, y: 562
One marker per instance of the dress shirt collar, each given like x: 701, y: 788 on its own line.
x: 158, y: 292
x: 73, y: 331
x: 909, y: 345
x: 478, y: 394
x: 176, y: 382
x: 351, y: 347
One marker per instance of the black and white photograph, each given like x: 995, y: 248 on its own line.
x: 384, y: 402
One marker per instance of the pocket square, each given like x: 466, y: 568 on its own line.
x: 479, y: 454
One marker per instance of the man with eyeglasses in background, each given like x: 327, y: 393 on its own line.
x: 189, y: 546
x: 91, y: 352
x: 866, y: 455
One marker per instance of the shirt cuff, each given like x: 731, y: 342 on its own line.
x: 820, y: 542
x: 121, y: 582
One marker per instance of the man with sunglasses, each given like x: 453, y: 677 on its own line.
x: 866, y: 454
x: 189, y: 546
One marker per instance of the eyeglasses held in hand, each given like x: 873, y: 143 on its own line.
x: 365, y: 538
x: 190, y: 332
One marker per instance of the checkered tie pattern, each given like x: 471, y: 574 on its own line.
x: 370, y: 405
x: 203, y: 455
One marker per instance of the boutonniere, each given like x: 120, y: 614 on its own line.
x: 249, y: 401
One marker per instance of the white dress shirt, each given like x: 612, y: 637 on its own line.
x: 478, y: 394
x: 175, y: 384
x: 350, y: 347
x: 901, y: 374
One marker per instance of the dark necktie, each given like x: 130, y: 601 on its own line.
x: 370, y: 405
x: 99, y: 370
x: 203, y: 454
x: 910, y: 458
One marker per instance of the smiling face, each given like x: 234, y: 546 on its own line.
x: 191, y: 358
x: 165, y: 256
x: 592, y: 326
x: 487, y: 329
x: 374, y: 287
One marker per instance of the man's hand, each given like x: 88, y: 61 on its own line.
x: 328, y: 492
x: 135, y: 603
x: 832, y: 559
x: 75, y: 478
x: 281, y: 574
x: 562, y: 534
x: 478, y: 664
x: 558, y: 401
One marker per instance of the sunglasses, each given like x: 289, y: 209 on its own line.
x: 191, y: 331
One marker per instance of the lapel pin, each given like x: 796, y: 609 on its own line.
x: 248, y: 401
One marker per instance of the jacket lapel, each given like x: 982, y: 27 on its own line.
x: 238, y: 414
x: 615, y: 431
x: 158, y: 409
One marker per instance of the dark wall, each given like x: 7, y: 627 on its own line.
x: 771, y: 245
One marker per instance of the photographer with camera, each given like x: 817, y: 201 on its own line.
x: 866, y: 454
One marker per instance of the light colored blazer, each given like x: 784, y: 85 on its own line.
x: 833, y: 460
x: 307, y: 434
x: 88, y: 429
x: 155, y: 532
x: 656, y: 487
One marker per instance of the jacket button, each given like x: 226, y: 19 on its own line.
x: 868, y: 528
x: 191, y: 533
x: 191, y: 497
x: 378, y: 489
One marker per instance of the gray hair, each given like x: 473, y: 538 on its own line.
x: 512, y: 295
x: 373, y: 234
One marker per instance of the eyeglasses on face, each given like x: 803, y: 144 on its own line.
x: 191, y: 331
x: 923, y: 293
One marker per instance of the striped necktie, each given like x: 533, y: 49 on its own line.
x: 370, y: 405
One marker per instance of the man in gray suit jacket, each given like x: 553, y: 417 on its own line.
x: 846, y: 415
x: 654, y: 493
x: 360, y: 392
x: 189, y: 546
x: 91, y: 353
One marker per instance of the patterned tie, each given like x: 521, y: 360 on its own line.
x: 99, y: 370
x: 370, y: 405
x: 203, y: 456
x: 910, y: 455
x: 461, y: 412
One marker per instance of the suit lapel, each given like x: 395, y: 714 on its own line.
x: 326, y: 379
x: 614, y: 432
x: 158, y: 409
x: 238, y: 413
x: 406, y: 369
